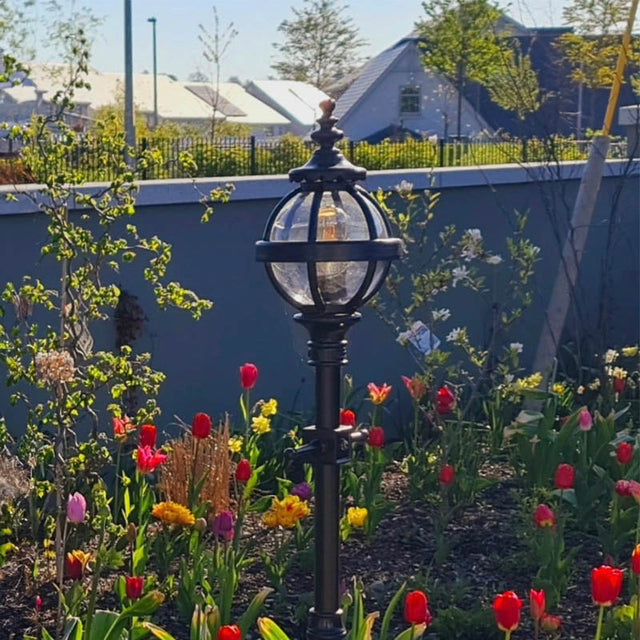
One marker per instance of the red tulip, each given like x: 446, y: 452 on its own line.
x: 248, y: 376
x: 347, y: 417
x: 618, y: 385
x: 75, y: 564
x: 122, y: 427
x: 201, y: 426
x: 565, y: 476
x: 229, y: 632
x: 623, y: 488
x: 148, y: 434
x: 506, y: 608
x: 379, y: 394
x: 376, y: 437
x: 550, y: 623
x: 606, y: 583
x: 133, y: 587
x: 444, y: 401
x: 446, y: 475
x: 537, y: 604
x: 415, y: 386
x: 243, y: 471
x: 635, y: 560
x: 147, y: 460
x: 38, y: 603
x: 416, y: 609
x: 624, y: 453
x: 543, y: 516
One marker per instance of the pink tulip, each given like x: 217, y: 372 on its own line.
x: 76, y: 508
x: 585, y: 421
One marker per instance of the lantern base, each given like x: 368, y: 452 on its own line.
x: 326, y: 626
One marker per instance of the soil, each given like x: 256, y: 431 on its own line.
x: 485, y: 557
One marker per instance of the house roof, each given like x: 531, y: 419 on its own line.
x: 20, y: 94
x: 298, y: 101
x: 369, y: 75
x: 237, y: 105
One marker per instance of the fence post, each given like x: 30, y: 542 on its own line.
x: 143, y: 148
x: 352, y: 150
x: 254, y: 169
x: 525, y: 151
x: 441, y: 152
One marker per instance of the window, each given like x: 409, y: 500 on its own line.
x: 410, y: 100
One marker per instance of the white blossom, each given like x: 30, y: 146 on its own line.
x: 493, y: 259
x: 459, y: 274
x: 475, y: 235
x: 405, y: 188
x: 610, y: 356
x: 455, y: 334
x: 516, y: 347
x: 440, y: 315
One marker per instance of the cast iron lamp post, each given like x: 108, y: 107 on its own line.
x: 327, y: 250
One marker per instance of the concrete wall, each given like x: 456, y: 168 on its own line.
x: 249, y: 322
x: 380, y: 107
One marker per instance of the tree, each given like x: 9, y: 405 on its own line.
x: 320, y: 44
x: 461, y: 42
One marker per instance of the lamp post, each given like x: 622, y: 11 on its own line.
x: 327, y: 250
x: 155, y: 74
x: 129, y: 120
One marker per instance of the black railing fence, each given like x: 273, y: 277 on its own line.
x: 206, y: 157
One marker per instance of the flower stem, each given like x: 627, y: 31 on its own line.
x: 636, y: 612
x: 116, y: 497
x: 507, y: 635
x: 599, y: 627
x: 638, y: 526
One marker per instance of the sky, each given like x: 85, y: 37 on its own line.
x: 250, y: 54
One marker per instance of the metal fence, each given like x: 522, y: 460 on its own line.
x: 206, y: 157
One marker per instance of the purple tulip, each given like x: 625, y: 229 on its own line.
x: 302, y: 490
x: 223, y: 525
x: 76, y: 508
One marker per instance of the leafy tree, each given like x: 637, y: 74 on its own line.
x: 462, y: 42
x: 320, y: 44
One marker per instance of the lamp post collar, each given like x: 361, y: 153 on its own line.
x: 327, y: 164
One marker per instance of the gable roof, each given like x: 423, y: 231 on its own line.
x: 369, y: 75
x: 206, y: 92
x: 298, y: 101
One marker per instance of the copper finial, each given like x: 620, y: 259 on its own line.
x: 327, y: 107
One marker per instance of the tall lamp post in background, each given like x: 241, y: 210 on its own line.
x: 327, y: 250
x: 129, y: 123
x: 155, y: 74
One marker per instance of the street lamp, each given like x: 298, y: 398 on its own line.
x: 155, y: 74
x: 327, y: 250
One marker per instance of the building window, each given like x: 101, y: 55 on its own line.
x: 409, y: 100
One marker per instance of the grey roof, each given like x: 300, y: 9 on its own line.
x: 207, y: 93
x: 369, y: 75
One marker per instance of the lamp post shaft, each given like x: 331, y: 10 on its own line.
x: 129, y: 121
x: 155, y: 76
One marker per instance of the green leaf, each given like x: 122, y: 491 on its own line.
x: 407, y: 634
x: 248, y: 618
x: 269, y: 630
x: 73, y: 629
x: 155, y: 631
x: 388, y: 614
x: 46, y: 635
x: 101, y: 623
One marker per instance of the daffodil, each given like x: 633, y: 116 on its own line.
x: 261, y: 425
x: 269, y: 408
x: 173, y: 513
x: 235, y: 444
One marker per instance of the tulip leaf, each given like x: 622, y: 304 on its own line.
x: 412, y: 633
x: 46, y: 635
x: 101, y: 623
x: 248, y: 618
x: 367, y: 626
x: 269, y: 630
x: 155, y: 631
x: 73, y: 630
x: 388, y: 614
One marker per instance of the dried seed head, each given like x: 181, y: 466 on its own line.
x: 54, y: 367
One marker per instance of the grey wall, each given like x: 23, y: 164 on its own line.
x: 249, y: 322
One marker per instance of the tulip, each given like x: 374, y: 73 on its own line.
x: 75, y: 564
x: 243, y: 471
x: 347, y: 418
x: 201, y: 426
x: 229, y: 632
x: 376, y: 437
x: 623, y: 488
x: 122, y: 427
x: 223, y: 525
x: 585, y: 421
x: 76, y: 508
x: 506, y: 608
x: 624, y: 452
x: 606, y: 583
x: 133, y: 587
x: 302, y: 490
x: 147, y: 460
x: 543, y: 516
x: 634, y: 490
x: 446, y: 475
x: 38, y: 603
x: 148, y: 434
x: 444, y: 401
x: 550, y: 623
x: 635, y: 560
x: 415, y: 386
x: 416, y: 609
x: 564, y: 477
x: 619, y: 384
x: 248, y: 375
x: 537, y: 604
x: 379, y: 394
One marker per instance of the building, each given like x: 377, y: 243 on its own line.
x: 233, y: 104
x: 394, y: 96
x: 297, y: 101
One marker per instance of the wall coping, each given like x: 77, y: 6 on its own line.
x: 190, y: 191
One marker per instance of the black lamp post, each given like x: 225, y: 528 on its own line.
x: 327, y: 250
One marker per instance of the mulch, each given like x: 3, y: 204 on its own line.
x: 486, y: 556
